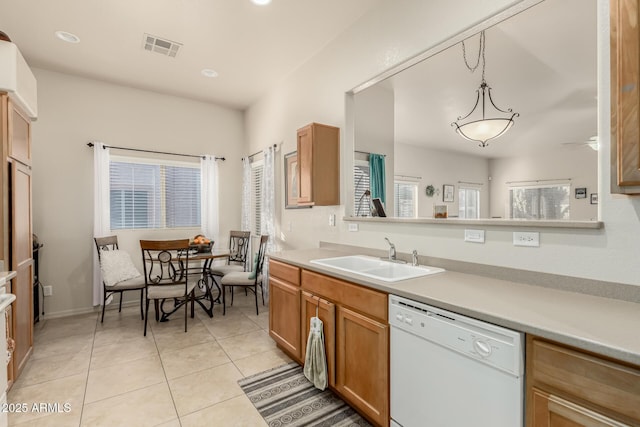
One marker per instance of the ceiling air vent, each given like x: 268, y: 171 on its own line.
x: 160, y: 45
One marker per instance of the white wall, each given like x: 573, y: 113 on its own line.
x: 374, y: 130
x: 578, y: 163
x: 436, y: 167
x: 390, y: 34
x: 74, y: 111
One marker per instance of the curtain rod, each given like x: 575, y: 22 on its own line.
x: 408, y: 176
x: 367, y: 152
x: 258, y: 152
x: 538, y: 180
x: 472, y: 183
x: 91, y: 144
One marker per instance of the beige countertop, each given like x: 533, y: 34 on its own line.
x: 602, y: 325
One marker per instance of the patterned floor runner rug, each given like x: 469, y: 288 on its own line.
x: 284, y: 397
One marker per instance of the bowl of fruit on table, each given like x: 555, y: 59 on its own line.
x: 201, y: 244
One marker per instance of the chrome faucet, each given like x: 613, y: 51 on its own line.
x: 414, y: 258
x: 392, y: 250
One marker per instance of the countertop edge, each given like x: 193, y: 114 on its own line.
x: 594, y: 343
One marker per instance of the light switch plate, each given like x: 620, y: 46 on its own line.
x: 526, y: 238
x: 474, y: 236
x: 353, y: 227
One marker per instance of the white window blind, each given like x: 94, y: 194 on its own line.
x: 153, y: 194
x: 468, y: 203
x: 540, y: 202
x: 256, y: 198
x: 361, y: 174
x: 405, y: 199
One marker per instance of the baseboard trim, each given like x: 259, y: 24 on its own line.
x: 85, y: 310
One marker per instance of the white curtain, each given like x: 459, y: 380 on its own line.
x: 268, y: 211
x: 101, y: 210
x: 209, y: 214
x: 246, y: 194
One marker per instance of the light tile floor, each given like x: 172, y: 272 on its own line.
x: 111, y: 375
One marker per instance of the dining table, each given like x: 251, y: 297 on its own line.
x: 204, y: 290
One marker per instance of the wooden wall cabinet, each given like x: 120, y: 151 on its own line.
x: 625, y: 97
x: 16, y: 235
x: 567, y: 387
x: 284, y: 308
x: 318, y: 165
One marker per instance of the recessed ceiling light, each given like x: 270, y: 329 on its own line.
x: 67, y: 37
x: 261, y: 2
x: 208, y: 72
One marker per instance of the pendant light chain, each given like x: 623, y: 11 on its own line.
x: 480, y: 55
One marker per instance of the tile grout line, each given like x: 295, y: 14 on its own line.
x: 86, y: 382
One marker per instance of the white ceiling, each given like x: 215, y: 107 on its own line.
x: 541, y: 63
x: 251, y: 47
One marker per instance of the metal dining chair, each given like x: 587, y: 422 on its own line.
x: 238, y: 250
x: 250, y: 280
x: 166, y: 277
x: 110, y: 243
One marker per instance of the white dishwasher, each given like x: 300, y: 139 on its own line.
x: 448, y: 370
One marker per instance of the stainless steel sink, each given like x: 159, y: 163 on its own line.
x: 377, y: 268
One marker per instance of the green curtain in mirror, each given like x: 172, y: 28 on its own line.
x: 377, y: 178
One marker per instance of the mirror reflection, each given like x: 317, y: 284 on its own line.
x: 541, y: 64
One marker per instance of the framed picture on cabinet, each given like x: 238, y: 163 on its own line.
x: 594, y: 198
x: 581, y: 193
x: 291, y: 181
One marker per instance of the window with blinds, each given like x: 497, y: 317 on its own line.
x: 256, y: 198
x: 361, y: 174
x: 468, y: 203
x: 153, y: 194
x: 405, y: 199
x: 540, y: 202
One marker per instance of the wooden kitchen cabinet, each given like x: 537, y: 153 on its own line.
x: 552, y: 411
x: 284, y: 308
x: 361, y: 342
x: 362, y: 363
x: 567, y: 387
x: 625, y: 96
x: 16, y: 234
x: 327, y: 314
x: 318, y: 165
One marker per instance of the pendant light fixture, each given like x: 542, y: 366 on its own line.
x: 482, y: 127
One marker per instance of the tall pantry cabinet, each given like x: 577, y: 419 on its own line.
x: 17, y: 232
x: 18, y: 107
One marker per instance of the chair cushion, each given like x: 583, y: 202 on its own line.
x: 241, y: 278
x: 135, y: 283
x: 221, y: 270
x: 168, y: 291
x: 116, y: 266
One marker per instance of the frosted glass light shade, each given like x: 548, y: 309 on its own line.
x: 484, y: 130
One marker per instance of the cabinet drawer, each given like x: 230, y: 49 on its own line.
x: 285, y: 272
x: 368, y: 301
x: 609, y: 385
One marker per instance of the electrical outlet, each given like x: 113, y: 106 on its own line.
x: 47, y: 291
x: 353, y: 227
x: 474, y: 236
x: 522, y: 238
x: 332, y: 220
